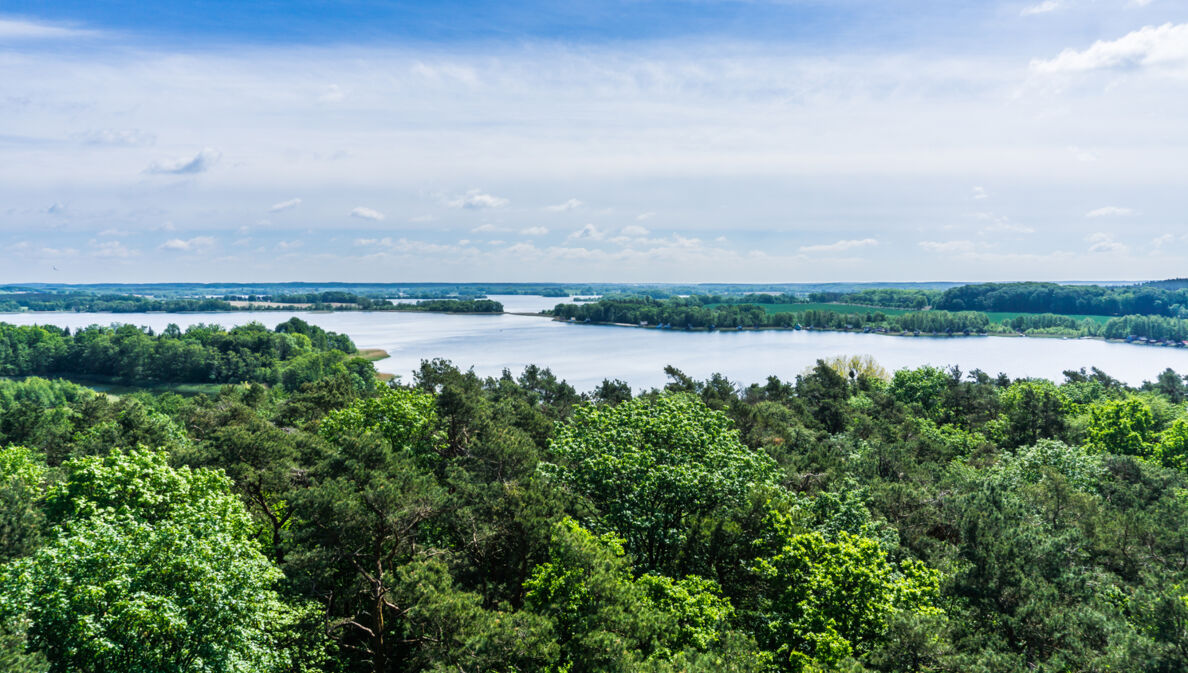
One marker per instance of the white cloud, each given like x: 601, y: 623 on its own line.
x: 112, y: 249
x: 523, y: 250
x: 116, y: 137
x: 839, y: 246
x: 184, y: 245
x: 289, y: 245
x: 477, y: 200
x: 1082, y: 154
x: 1110, y: 211
x: 485, y: 229
x: 284, y: 205
x: 422, y: 218
x: 1001, y: 224
x: 115, y: 232
x: 1138, y: 3
x: 564, y: 207
x: 979, y: 193
x: 13, y: 29
x: 534, y: 231
x: 634, y: 230
x: 1103, y: 242
x: 948, y: 247
x: 365, y: 213
x: 588, y: 232
x: 1165, y: 45
x: 1041, y: 8
x: 1163, y: 240
x: 56, y: 209
x: 645, y: 216
x: 405, y: 246
x: 199, y: 163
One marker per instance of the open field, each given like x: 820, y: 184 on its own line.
x: 373, y: 354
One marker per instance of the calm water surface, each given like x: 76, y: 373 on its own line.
x: 585, y: 354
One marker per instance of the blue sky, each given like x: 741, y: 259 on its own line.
x: 634, y: 140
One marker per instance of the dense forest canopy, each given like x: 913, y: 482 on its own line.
x: 293, y: 353
x: 1147, y: 299
x: 848, y: 520
x: 717, y: 313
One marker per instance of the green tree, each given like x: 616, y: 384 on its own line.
x: 359, y: 524
x: 924, y: 387
x: 604, y: 620
x: 1123, y: 427
x: 1172, y: 449
x: 1035, y: 410
x: 824, y: 601
x: 151, y: 569
x: 654, y: 468
x: 22, y: 476
x: 407, y: 419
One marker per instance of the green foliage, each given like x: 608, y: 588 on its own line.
x: 203, y: 353
x: 1034, y: 410
x: 1051, y: 458
x: 407, y: 419
x: 820, y: 524
x: 1123, y: 427
x: 924, y: 387
x: 604, y: 620
x: 655, y: 467
x: 1172, y: 449
x: 22, y: 477
x: 149, y: 569
x: 825, y: 599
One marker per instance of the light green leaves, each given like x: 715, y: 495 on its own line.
x: 152, y: 570
x: 653, y: 467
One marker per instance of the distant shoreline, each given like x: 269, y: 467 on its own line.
x: 910, y: 335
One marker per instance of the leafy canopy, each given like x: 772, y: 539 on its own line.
x: 654, y: 466
x: 151, y: 570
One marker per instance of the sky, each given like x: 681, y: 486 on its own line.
x: 613, y: 140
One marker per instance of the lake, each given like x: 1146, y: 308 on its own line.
x: 585, y: 354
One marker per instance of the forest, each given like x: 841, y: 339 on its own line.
x: 713, y: 312
x: 851, y: 519
x: 109, y: 303
x: 293, y: 353
x: 1161, y: 298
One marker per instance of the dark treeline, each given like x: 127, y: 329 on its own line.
x: 110, y: 303
x: 886, y: 297
x: 847, y: 520
x: 1067, y: 299
x: 293, y: 353
x: 328, y: 297
x: 336, y: 300
x: 699, y: 313
x: 690, y: 312
x: 452, y: 306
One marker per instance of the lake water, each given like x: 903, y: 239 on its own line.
x: 585, y: 354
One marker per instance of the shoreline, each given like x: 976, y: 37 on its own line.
x: 933, y: 335
x: 909, y: 335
